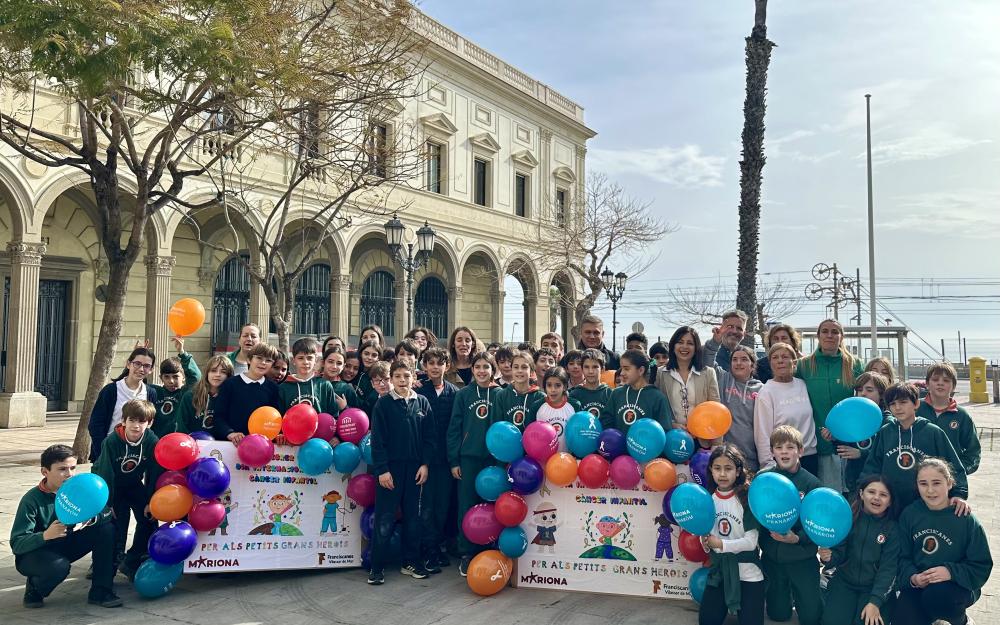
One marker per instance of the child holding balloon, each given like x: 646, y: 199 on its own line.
x: 872, y: 386
x: 197, y: 410
x: 944, y: 558
x: 557, y: 407
x: 178, y: 375
x: 240, y: 395
x: 516, y: 401
x: 636, y: 398
x: 593, y: 395
x: 305, y: 387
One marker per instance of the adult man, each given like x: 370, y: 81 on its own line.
x: 592, y: 337
x: 249, y: 336
x: 734, y: 325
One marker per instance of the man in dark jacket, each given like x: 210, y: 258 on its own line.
x: 592, y: 337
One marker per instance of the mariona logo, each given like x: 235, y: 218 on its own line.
x: 209, y: 563
x: 538, y: 579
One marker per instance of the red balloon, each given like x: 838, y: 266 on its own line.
x: 176, y: 451
x: 593, y: 471
x: 510, y: 509
x: 207, y: 515
x: 690, y: 547
x: 326, y: 427
x: 361, y: 489
x: 300, y: 423
x: 171, y: 477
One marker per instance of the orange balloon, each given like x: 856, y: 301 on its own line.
x: 265, y: 421
x: 489, y: 572
x: 560, y: 469
x: 709, y: 420
x: 608, y: 377
x: 186, y: 316
x: 171, y: 503
x: 660, y: 474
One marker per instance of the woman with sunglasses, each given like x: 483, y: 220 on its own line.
x: 131, y: 384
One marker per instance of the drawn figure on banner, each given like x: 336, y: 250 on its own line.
x: 282, y: 512
x: 546, y: 525
x: 227, y: 501
x: 664, y: 535
x: 331, y: 509
x: 609, y: 528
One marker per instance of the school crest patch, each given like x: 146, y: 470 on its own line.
x: 167, y: 406
x: 953, y: 425
x: 594, y: 411
x: 929, y: 545
x: 518, y: 417
x: 482, y: 411
x: 905, y: 460
x: 725, y: 527
x: 880, y: 538
x: 629, y: 416
x: 865, y: 444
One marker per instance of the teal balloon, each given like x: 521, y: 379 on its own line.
x: 693, y: 508
x: 315, y: 456
x: 154, y: 580
x: 347, y: 459
x: 583, y: 434
x: 366, y: 449
x: 503, y: 439
x: 679, y: 446
x: 80, y: 498
x: 697, y: 583
x: 513, y: 542
x: 645, y: 440
x: 774, y: 501
x: 826, y: 517
x: 491, y: 483
x: 854, y: 419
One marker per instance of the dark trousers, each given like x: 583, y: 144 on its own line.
x: 946, y: 601
x: 810, y: 463
x: 434, y: 508
x: 843, y: 604
x: 48, y: 566
x: 406, y: 495
x: 468, y: 497
x: 793, y: 582
x: 713, y: 611
x: 132, y: 501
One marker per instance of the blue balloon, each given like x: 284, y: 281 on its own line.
x: 697, y: 583
x: 525, y: 476
x: 503, y: 439
x: 173, y: 542
x: 315, y: 456
x: 80, y: 498
x: 826, y: 517
x: 154, y: 580
x: 699, y: 466
x: 693, y: 508
x: 645, y: 440
x: 679, y: 446
x: 347, y: 459
x: 583, y: 433
x: 368, y: 522
x: 854, y: 419
x: 491, y: 483
x: 774, y: 501
x: 666, y: 505
x: 208, y: 477
x: 202, y: 435
x: 366, y: 449
x: 611, y: 444
x: 513, y: 542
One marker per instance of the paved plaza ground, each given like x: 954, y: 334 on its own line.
x: 323, y: 597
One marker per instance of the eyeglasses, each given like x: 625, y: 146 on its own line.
x: 141, y: 365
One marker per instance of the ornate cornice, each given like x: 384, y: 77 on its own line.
x: 160, y: 265
x: 26, y: 253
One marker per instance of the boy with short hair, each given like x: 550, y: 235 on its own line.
x: 305, y: 387
x: 241, y: 394
x: 178, y: 375
x: 408, y: 351
x: 493, y: 347
x: 553, y: 341
x: 592, y: 395
x: 503, y: 357
x: 128, y: 466
x: 659, y: 355
x: 513, y: 403
x: 44, y: 548
x: 941, y: 409
x: 402, y: 438
x: 789, y: 560
x: 636, y: 340
x: 572, y: 362
x: 379, y: 374
x: 545, y: 359
x: 527, y: 346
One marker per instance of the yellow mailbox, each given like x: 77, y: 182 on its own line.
x: 977, y: 381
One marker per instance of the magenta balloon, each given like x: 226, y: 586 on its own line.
x: 352, y: 425
x: 206, y: 515
x: 326, y: 428
x: 361, y: 489
x: 540, y: 441
x: 171, y: 477
x: 625, y: 472
x: 480, y: 524
x: 255, y: 450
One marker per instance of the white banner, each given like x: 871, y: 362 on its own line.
x: 279, y: 518
x: 603, y: 540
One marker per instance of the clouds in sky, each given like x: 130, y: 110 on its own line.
x: 684, y: 167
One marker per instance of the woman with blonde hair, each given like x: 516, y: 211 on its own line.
x: 778, y: 333
x: 882, y: 365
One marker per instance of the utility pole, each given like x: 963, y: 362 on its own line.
x: 871, y: 226
x: 959, y: 344
x: 841, y: 289
x: 942, y: 350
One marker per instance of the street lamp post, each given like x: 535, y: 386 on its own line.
x: 410, y: 261
x: 614, y: 286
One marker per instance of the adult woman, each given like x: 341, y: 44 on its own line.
x: 423, y: 337
x: 829, y: 374
x: 780, y: 333
x: 784, y: 400
x: 372, y: 333
x: 881, y: 364
x: 462, y: 344
x: 686, y: 381
x: 107, y: 412
x: 738, y: 389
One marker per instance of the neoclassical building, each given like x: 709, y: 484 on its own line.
x: 504, y: 149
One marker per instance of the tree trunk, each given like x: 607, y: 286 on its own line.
x: 758, y: 57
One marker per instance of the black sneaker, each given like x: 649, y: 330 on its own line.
x: 128, y: 571
x: 32, y: 598
x: 376, y: 578
x: 463, y: 567
x: 107, y: 599
x: 443, y: 560
x: 431, y: 567
x: 414, y: 571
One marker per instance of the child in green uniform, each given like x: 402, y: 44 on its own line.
x: 593, y: 395
x: 369, y: 353
x: 504, y: 357
x: 572, y: 362
x: 870, y: 385
x: 636, y: 398
x: 352, y: 368
x: 196, y: 413
x: 514, y: 402
x: 305, y: 387
x: 863, y: 587
x: 944, y: 558
x: 334, y: 361
x: 790, y: 559
x: 471, y: 416
x: 545, y: 359
x: 178, y: 376
x: 941, y: 409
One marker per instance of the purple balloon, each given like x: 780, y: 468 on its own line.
x: 368, y: 522
x: 172, y: 542
x: 666, y: 505
x: 611, y: 444
x: 625, y: 472
x: 171, y: 477
x: 202, y: 435
x: 699, y: 466
x: 480, y: 524
x: 208, y: 477
x: 525, y: 475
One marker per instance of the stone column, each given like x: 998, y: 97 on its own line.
x: 579, y: 194
x: 340, y: 306
x: 455, y: 295
x: 545, y: 169
x: 497, y: 299
x: 21, y: 405
x: 538, y: 315
x: 531, y: 332
x: 159, y: 269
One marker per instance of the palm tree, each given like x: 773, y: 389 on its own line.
x: 758, y: 53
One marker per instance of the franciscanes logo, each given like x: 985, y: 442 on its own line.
x: 629, y: 416
x: 209, y: 563
x: 865, y: 444
x: 209, y: 420
x: 929, y: 545
x: 519, y: 417
x: 167, y: 406
x: 953, y: 425
x: 594, y: 410
x: 307, y: 399
x: 482, y: 411
x: 880, y: 538
x: 558, y: 427
x: 725, y: 527
x: 129, y: 465
x: 905, y: 460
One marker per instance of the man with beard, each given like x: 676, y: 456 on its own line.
x: 734, y: 324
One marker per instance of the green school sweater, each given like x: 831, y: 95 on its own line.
x: 125, y: 465
x: 780, y: 552
x: 959, y: 428
x: 193, y: 421
x: 593, y: 400
x: 826, y: 387
x: 869, y: 558
x: 471, y: 416
x: 514, y: 407
x: 35, y: 513
x: 168, y: 402
x: 345, y: 390
x: 315, y: 391
x: 853, y: 468
x: 932, y: 538
x: 626, y: 405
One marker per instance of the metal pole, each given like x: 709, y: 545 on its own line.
x: 965, y: 352
x: 871, y: 227
x: 857, y: 302
x: 942, y: 349
x: 959, y: 344
x: 410, y: 268
x: 614, y: 324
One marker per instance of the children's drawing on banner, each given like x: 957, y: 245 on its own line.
x: 603, y: 532
x: 664, y: 535
x: 546, y: 524
x: 282, y: 512
x: 334, y: 508
x: 227, y: 501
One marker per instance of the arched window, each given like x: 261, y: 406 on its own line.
x: 312, y: 301
x: 378, y: 301
x: 230, y: 302
x: 430, y: 306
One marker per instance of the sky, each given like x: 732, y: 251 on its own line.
x: 663, y: 84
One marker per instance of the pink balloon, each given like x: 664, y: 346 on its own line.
x: 361, y: 489
x: 352, y: 425
x: 625, y: 472
x: 540, y: 441
x: 206, y: 515
x: 480, y: 524
x: 171, y: 477
x: 326, y: 427
x: 255, y: 450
